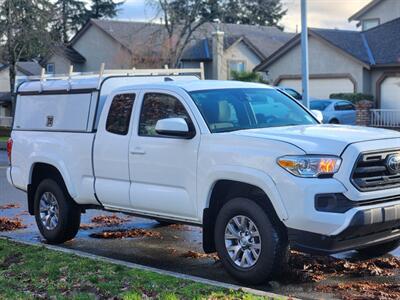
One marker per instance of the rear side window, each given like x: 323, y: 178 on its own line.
x: 344, y: 106
x: 119, y: 115
x: 156, y: 107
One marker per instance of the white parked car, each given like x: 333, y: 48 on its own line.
x: 250, y: 165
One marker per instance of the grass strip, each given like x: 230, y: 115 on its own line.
x: 32, y: 272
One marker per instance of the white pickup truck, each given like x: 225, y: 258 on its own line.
x: 246, y: 162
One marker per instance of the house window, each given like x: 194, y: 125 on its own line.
x: 50, y: 68
x: 235, y: 66
x: 370, y: 23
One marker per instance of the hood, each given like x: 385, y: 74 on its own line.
x: 321, y: 139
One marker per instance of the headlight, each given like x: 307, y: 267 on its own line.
x: 310, y: 165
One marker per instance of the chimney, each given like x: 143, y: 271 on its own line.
x: 217, y: 53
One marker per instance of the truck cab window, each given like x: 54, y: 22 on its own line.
x: 119, y: 115
x: 156, y: 107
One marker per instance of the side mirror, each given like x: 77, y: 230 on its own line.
x: 174, y: 127
x: 318, y: 114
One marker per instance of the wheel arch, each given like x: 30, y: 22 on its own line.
x: 225, y: 189
x: 38, y: 172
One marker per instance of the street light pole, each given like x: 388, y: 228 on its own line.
x: 304, y: 53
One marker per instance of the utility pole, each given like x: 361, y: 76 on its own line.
x: 304, y: 53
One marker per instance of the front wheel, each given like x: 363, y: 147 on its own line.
x: 380, y: 249
x: 248, y: 244
x: 57, y: 216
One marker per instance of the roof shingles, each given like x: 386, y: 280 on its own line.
x: 374, y: 47
x: 134, y: 35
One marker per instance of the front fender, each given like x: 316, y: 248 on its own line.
x: 241, y: 174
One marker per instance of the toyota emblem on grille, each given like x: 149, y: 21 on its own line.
x: 393, y: 163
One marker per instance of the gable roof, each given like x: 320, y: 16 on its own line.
x: 349, y: 41
x: 134, y: 35
x: 28, y: 68
x: 383, y: 41
x: 202, y: 50
x: 365, y: 9
x: 371, y: 48
x: 66, y: 51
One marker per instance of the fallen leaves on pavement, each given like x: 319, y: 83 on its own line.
x: 8, y: 224
x: 363, y: 290
x: 183, y: 227
x: 306, y: 267
x: 84, y: 226
x: 9, y: 205
x: 109, y: 220
x: 121, y: 234
x: 197, y: 255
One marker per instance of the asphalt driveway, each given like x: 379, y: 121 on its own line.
x: 174, y: 248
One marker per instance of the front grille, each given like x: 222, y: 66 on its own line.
x: 370, y: 172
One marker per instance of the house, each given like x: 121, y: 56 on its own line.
x: 127, y: 44
x: 342, y: 61
x: 24, y: 68
x: 375, y: 13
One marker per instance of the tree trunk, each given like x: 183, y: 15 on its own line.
x: 11, y: 55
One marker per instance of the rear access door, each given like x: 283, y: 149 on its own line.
x: 111, y: 150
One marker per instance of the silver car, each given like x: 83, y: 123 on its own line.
x: 335, y: 111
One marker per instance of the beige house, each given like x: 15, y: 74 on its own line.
x: 125, y: 44
x: 342, y: 61
x: 375, y: 13
x: 24, y: 68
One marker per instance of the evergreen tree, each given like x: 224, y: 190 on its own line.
x: 103, y: 9
x: 24, y: 31
x: 252, y: 12
x: 71, y: 16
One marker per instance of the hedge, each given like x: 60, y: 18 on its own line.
x: 353, y: 97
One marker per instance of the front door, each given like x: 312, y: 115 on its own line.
x: 111, y: 151
x: 163, y: 168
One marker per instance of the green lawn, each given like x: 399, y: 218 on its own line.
x: 3, y: 138
x: 31, y: 272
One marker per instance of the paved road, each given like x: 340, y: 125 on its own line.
x: 165, y: 252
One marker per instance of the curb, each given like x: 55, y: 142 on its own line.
x: 152, y: 269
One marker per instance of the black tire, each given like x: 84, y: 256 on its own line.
x: 334, y: 121
x: 380, y: 249
x: 274, y: 245
x: 69, y: 213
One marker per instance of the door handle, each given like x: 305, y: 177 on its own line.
x: 137, y: 150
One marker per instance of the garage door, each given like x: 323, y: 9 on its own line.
x: 321, y: 87
x: 390, y: 93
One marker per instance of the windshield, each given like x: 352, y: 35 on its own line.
x: 319, y: 105
x: 235, y: 109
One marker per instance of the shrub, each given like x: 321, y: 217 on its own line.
x: 353, y: 97
x: 5, y: 131
x: 248, y: 77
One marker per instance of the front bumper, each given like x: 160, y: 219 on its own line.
x: 367, y: 227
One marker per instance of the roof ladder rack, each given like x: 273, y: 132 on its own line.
x: 166, y: 71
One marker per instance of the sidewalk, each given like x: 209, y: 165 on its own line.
x: 3, y: 158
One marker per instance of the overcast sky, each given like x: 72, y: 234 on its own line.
x: 321, y: 13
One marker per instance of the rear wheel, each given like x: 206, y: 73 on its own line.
x: 334, y: 121
x: 380, y: 249
x: 57, y: 215
x: 249, y: 246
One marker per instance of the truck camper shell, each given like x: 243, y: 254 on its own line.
x: 74, y: 102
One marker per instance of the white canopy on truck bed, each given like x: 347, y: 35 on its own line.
x: 74, y: 102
